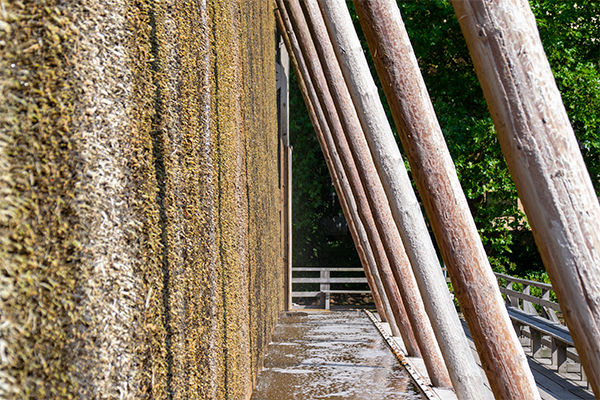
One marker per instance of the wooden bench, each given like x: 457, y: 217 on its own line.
x: 544, y: 329
x: 325, y: 280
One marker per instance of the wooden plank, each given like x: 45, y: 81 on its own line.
x: 349, y: 291
x: 329, y: 280
x: 550, y: 385
x: 306, y: 294
x: 541, y: 324
x: 544, y: 159
x: 540, y: 285
x: 530, y: 298
x: 317, y: 269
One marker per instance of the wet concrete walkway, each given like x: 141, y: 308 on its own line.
x: 331, y: 355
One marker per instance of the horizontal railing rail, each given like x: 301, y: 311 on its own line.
x: 527, y: 299
x: 325, y: 280
x: 331, y: 269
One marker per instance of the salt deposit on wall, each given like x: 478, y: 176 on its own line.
x: 139, y: 203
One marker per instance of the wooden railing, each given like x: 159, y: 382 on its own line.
x: 325, y: 280
x: 524, y: 299
x: 543, y: 328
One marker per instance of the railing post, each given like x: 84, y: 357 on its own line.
x: 548, y: 312
x: 517, y: 327
x: 536, y: 343
x: 527, y: 306
x: 559, y: 355
x: 514, y: 301
x: 324, y: 288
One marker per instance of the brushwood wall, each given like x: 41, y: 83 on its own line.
x: 139, y: 201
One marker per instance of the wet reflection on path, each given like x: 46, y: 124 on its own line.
x: 336, y: 355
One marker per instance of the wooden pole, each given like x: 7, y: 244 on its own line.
x: 352, y: 138
x: 341, y: 183
x: 389, y: 316
x: 368, y: 262
x: 285, y: 154
x: 394, y: 304
x: 544, y: 159
x: 288, y: 223
x: 408, y: 290
x: 432, y: 167
x: 406, y: 211
x: 364, y: 262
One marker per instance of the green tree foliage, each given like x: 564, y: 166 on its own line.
x: 570, y: 32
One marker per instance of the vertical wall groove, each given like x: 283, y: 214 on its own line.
x: 160, y: 173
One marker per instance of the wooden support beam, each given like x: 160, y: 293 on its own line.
x: 341, y: 183
x: 328, y: 147
x: 388, y: 315
x: 368, y: 262
x: 406, y: 211
x: 374, y: 282
x: 285, y: 168
x: 370, y: 279
x: 474, y: 283
x: 559, y: 356
x: 350, y: 141
x: 365, y: 252
x: 544, y: 159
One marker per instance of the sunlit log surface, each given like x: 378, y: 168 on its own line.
x: 473, y: 281
x: 466, y: 378
x: 544, y: 159
x: 343, y: 186
x: 349, y: 139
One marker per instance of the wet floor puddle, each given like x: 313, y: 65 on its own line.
x: 331, y: 355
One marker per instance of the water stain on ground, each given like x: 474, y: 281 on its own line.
x: 331, y: 355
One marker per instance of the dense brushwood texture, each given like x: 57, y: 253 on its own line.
x: 139, y: 203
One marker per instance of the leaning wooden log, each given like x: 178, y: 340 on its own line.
x: 465, y: 375
x: 387, y: 308
x: 374, y: 282
x: 350, y: 138
x: 544, y: 159
x: 365, y: 253
x: 373, y: 239
x: 341, y: 183
x: 473, y: 280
